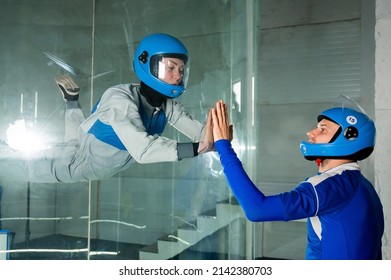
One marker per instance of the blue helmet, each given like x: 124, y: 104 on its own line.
x: 147, y: 62
x: 354, y: 140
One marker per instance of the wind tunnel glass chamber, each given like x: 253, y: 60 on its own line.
x: 179, y: 210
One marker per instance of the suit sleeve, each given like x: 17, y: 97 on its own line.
x: 121, y: 112
x: 183, y: 122
x: 291, y: 205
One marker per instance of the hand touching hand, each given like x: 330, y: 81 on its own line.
x: 221, y: 127
x: 207, y: 142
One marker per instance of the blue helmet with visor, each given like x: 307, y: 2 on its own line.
x: 355, y: 138
x: 150, y: 69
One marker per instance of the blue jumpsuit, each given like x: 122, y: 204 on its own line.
x: 345, y: 216
x: 122, y: 129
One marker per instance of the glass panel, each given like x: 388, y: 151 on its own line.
x: 179, y: 210
x: 40, y: 40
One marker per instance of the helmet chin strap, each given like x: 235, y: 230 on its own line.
x: 318, y: 161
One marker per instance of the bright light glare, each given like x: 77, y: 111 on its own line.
x: 238, y: 147
x: 236, y: 88
x: 22, y: 138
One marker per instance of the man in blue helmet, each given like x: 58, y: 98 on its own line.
x: 126, y: 124
x: 345, y: 216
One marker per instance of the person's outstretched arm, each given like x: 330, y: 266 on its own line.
x: 254, y: 203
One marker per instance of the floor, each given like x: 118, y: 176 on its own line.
x: 67, y: 249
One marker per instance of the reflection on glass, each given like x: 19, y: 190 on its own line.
x: 178, y: 210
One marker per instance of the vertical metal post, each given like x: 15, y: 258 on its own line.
x: 250, y: 100
x: 27, y: 229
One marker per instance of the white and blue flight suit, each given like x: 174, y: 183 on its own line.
x: 345, y: 213
x: 122, y: 129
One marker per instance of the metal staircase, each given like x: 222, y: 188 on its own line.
x: 188, y: 235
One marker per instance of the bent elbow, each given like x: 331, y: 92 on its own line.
x: 252, y: 216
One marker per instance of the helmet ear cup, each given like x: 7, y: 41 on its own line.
x: 143, y: 57
x: 351, y: 133
x: 355, y: 138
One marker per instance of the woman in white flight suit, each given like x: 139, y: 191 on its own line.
x: 125, y: 125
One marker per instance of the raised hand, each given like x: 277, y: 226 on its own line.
x: 207, y: 142
x: 221, y: 127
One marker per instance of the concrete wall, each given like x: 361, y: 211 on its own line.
x: 382, y: 103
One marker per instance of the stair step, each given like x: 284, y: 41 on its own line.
x: 168, y: 237
x: 209, y: 213
x: 229, y: 211
x: 187, y: 235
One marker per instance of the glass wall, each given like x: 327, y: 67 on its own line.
x: 179, y: 210
x: 274, y: 71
